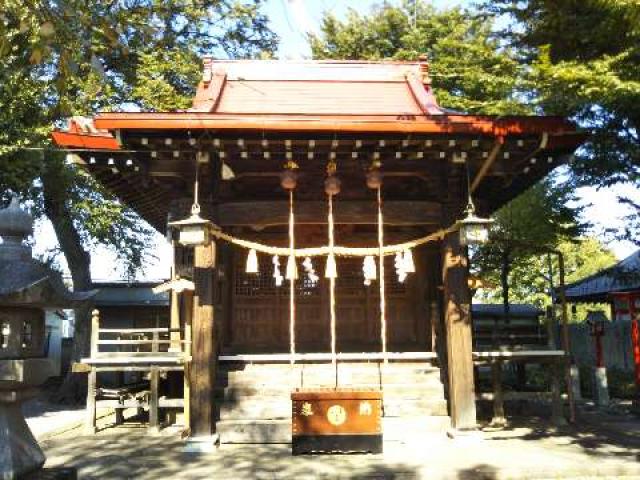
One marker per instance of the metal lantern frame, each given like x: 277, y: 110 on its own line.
x: 473, y: 230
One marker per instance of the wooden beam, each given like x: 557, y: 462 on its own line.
x: 486, y: 166
x: 311, y: 212
x: 202, y: 369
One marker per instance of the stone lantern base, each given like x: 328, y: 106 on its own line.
x: 19, y: 451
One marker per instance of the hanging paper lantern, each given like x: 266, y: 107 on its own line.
x: 292, y: 268
x: 276, y: 271
x: 252, y: 262
x: 369, y: 269
x: 407, y: 260
x: 331, y: 270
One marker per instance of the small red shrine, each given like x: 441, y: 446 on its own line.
x: 250, y: 121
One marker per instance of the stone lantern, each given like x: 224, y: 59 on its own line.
x: 27, y: 287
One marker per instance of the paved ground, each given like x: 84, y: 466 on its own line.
x: 45, y: 418
x: 531, y: 451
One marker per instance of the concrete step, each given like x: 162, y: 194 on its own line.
x: 249, y: 408
x: 279, y: 431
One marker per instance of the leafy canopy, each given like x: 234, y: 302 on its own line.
x: 470, y: 71
x: 584, y: 58
x: 75, y: 57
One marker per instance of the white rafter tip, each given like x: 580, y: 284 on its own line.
x: 144, y: 141
x: 192, y: 141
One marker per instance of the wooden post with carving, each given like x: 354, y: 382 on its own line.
x: 204, y: 355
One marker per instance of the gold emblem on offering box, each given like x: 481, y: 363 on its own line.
x: 336, y: 415
x: 306, y: 409
x: 365, y: 408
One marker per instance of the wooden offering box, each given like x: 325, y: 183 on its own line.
x: 342, y: 420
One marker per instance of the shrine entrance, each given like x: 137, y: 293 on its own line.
x: 258, y: 319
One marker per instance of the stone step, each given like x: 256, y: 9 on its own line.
x: 279, y: 431
x: 311, y: 381
x: 411, y: 391
x: 257, y: 408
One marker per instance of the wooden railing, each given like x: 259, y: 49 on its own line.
x: 147, y: 350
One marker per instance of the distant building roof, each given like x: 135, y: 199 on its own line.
x: 622, y: 277
x: 497, y: 310
x: 114, y: 294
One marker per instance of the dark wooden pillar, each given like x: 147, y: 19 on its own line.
x: 457, y: 319
x: 456, y: 307
x: 204, y: 354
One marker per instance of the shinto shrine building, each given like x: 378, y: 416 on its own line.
x: 250, y: 122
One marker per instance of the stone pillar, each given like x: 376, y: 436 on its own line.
x: 600, y: 387
x: 575, y: 382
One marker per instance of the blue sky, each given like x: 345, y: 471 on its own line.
x: 290, y: 19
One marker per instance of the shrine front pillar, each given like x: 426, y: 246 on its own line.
x: 202, y: 371
x: 457, y: 319
x: 457, y: 310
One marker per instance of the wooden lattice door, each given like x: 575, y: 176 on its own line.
x: 259, y: 321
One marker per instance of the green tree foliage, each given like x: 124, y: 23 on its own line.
x: 60, y: 59
x: 470, y: 71
x: 584, y: 59
x: 532, y: 278
x: 527, y: 228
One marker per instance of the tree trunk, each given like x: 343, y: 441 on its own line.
x: 504, y: 280
x: 55, y: 182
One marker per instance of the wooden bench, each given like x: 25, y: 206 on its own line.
x: 137, y: 350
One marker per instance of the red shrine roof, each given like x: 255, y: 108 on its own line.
x: 321, y: 96
x: 315, y: 88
